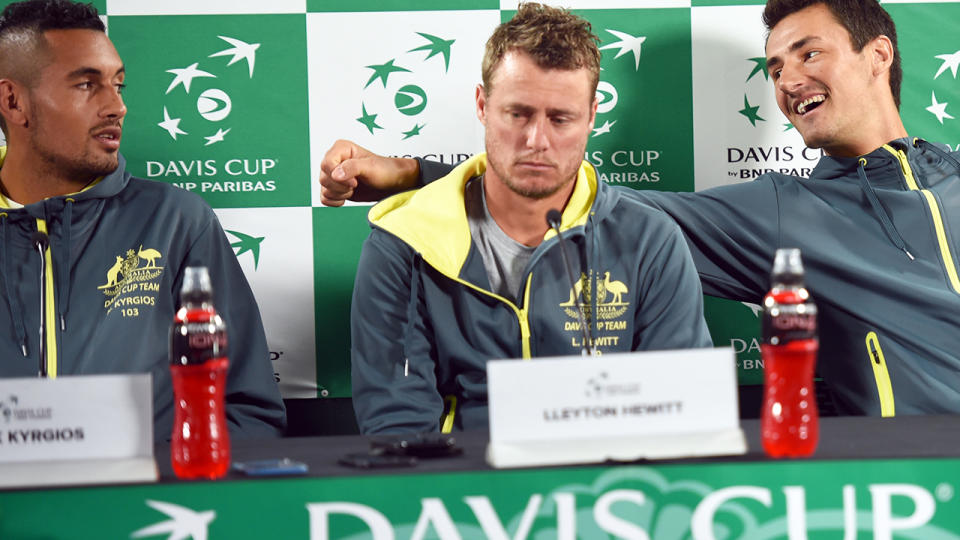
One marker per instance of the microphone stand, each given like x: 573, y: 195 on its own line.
x: 587, y: 349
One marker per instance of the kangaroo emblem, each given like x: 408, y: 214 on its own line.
x: 149, y: 255
x: 112, y: 274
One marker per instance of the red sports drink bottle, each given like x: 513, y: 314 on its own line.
x: 200, y: 447
x: 790, y: 423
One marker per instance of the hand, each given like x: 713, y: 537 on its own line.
x: 351, y: 172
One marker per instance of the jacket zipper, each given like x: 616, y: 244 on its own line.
x: 938, y: 225
x: 881, y: 374
x: 450, y: 401
x: 51, y: 315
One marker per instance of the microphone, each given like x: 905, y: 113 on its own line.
x: 553, y: 221
x: 40, y: 240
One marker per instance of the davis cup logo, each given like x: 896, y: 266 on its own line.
x: 948, y: 68
x: 212, y: 107
x: 607, y: 95
x: 394, y: 101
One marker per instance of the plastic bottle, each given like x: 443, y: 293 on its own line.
x: 200, y: 447
x: 789, y: 421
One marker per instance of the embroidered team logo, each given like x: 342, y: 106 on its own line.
x: 610, y: 297
x: 133, y: 281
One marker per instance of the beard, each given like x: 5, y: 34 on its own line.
x: 81, y: 165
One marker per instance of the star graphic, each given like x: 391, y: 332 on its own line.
x: 938, y: 109
x: 185, y: 76
x: 788, y: 126
x: 750, y: 112
x: 216, y: 137
x: 246, y: 243
x: 753, y: 308
x: 761, y: 65
x: 626, y: 44
x: 415, y: 130
x: 436, y: 46
x: 240, y: 51
x: 369, y: 120
x: 382, y: 71
x: 172, y: 125
x: 605, y: 128
x: 951, y: 62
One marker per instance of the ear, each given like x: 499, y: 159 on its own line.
x: 881, y: 53
x: 13, y: 103
x: 593, y: 114
x: 481, y: 98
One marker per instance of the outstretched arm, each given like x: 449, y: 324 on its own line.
x: 351, y: 172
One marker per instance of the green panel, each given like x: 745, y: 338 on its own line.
x: 258, y: 154
x: 924, y: 32
x: 338, y: 235
x: 398, y: 5
x: 902, y: 499
x: 645, y: 141
x: 737, y: 325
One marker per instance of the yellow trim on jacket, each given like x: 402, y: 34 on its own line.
x: 433, y: 219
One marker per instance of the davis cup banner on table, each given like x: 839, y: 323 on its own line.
x: 816, y: 500
x: 238, y: 101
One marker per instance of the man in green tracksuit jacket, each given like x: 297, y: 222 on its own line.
x: 467, y: 270
x: 878, y: 221
x: 118, y: 245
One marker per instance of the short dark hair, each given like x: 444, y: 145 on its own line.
x: 42, y: 15
x: 553, y: 37
x: 863, y: 19
x: 22, y: 25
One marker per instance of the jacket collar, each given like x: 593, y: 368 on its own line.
x: 433, y: 219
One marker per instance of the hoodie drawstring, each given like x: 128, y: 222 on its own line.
x: 892, y: 233
x: 63, y: 277
x: 411, y: 313
x: 16, y: 310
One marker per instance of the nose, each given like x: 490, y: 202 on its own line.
x: 537, y: 133
x: 790, y: 79
x: 113, y: 105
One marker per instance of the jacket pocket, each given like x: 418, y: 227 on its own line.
x: 880, y: 373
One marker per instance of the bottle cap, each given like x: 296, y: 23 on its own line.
x: 196, y: 285
x: 787, y: 267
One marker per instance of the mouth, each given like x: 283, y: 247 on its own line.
x: 109, y: 137
x: 809, y: 104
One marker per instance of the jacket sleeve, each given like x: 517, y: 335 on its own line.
x: 432, y: 170
x: 732, y: 232
x: 392, y: 360
x: 670, y: 303
x: 254, y: 406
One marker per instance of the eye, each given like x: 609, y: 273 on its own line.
x: 120, y: 87
x: 85, y: 85
x: 811, y: 54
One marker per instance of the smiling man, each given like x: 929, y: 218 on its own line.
x: 115, y: 247
x: 467, y: 270
x: 878, y: 221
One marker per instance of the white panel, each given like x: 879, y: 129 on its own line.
x: 338, y: 60
x: 282, y: 282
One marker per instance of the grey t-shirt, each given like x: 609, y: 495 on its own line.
x: 503, y: 257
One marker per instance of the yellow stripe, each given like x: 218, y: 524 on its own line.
x: 880, y: 373
x: 948, y: 263
x: 446, y: 423
x: 523, y: 315
x: 948, y: 259
x: 51, y: 314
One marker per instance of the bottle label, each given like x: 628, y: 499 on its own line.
x: 195, y: 343
x: 783, y: 323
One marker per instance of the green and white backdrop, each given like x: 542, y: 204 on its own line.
x: 237, y: 100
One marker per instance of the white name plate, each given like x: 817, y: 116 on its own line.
x: 623, y: 406
x: 76, y: 418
